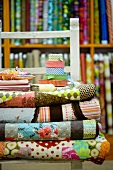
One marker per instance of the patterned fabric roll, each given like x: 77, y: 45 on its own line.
x: 73, y: 130
x: 102, y: 91
x: 108, y: 95
x: 56, y: 71
x: 90, y: 150
x: 96, y: 23
x: 109, y: 20
x: 50, y: 19
x: 96, y: 75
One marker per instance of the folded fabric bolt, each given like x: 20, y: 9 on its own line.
x: 55, y: 57
x: 84, y: 129
x: 17, y: 115
x: 72, y: 111
x: 35, y: 98
x: 55, y: 77
x: 56, y: 83
x: 95, y: 150
x: 55, y: 64
x: 56, y: 71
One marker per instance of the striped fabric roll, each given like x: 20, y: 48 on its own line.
x: 109, y: 20
x: 50, y: 19
x: 96, y: 22
x: 102, y: 91
x: 108, y: 95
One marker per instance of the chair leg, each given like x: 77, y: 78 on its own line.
x: 76, y: 165
x: 0, y: 166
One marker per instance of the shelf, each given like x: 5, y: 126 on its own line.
x: 60, y: 46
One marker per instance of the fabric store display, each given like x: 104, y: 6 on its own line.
x: 73, y: 130
x: 94, y: 150
x: 49, y: 122
x: 14, y: 115
x: 72, y: 111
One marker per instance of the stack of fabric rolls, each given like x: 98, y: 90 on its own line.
x: 60, y: 123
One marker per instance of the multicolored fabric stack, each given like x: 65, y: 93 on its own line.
x: 55, y: 71
x: 64, y: 126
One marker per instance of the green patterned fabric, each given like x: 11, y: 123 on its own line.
x: 55, y: 77
x: 6, y: 95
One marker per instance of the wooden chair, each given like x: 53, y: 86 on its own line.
x: 74, y: 70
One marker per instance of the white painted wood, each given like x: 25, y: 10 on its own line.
x: 74, y: 49
x: 38, y: 70
x: 38, y: 34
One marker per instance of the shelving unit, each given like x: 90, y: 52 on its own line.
x: 91, y: 48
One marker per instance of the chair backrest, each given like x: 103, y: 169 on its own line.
x: 73, y: 34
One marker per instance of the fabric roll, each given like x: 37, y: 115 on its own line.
x: 72, y: 111
x: 108, y: 95
x: 96, y: 22
x: 50, y: 19
x: 109, y: 20
x: 73, y: 130
x: 95, y: 150
x: 55, y: 64
x: 55, y: 71
x: 17, y: 115
x: 96, y: 75
x: 102, y: 91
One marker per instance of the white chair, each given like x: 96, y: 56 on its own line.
x: 74, y: 70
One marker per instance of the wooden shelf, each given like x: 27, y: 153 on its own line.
x: 110, y: 139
